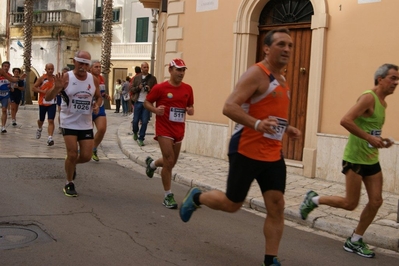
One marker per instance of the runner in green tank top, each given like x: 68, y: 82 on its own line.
x: 364, y: 122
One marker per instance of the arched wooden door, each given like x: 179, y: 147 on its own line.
x: 294, y: 15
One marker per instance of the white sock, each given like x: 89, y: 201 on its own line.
x: 39, y: 129
x: 168, y: 192
x: 356, y: 237
x: 316, y: 200
x: 152, y: 165
x: 50, y: 137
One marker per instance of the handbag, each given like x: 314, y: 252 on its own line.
x: 126, y: 97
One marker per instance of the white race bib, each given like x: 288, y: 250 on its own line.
x: 280, y: 129
x: 80, y: 106
x: 177, y: 114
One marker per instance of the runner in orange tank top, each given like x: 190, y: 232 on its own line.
x: 41, y: 86
x: 259, y: 105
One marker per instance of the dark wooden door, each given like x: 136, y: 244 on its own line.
x: 297, y: 75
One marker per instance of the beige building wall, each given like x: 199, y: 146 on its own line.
x: 349, y: 41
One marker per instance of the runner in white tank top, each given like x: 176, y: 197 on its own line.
x: 81, y: 88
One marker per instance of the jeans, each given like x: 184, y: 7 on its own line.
x: 118, y: 105
x: 125, y: 107
x: 140, y: 113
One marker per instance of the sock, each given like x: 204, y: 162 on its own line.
x: 95, y: 149
x: 355, y: 237
x: 50, y: 137
x: 168, y: 192
x: 39, y: 129
x: 316, y: 200
x: 67, y: 182
x: 152, y: 165
x: 196, y: 199
x: 269, y: 259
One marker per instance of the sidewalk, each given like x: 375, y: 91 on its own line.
x: 209, y: 173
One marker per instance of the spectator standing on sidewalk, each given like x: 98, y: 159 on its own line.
x: 117, y: 95
x: 360, y: 163
x: 125, y: 96
x: 137, y: 71
x: 141, y: 86
x: 78, y: 89
x: 99, y: 119
x: 41, y: 86
x: 174, y: 99
x: 259, y: 105
x: 16, y: 91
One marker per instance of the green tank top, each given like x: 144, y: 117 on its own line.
x: 358, y: 150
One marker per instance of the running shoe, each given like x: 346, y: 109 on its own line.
x: 169, y: 202
x: 276, y: 262
x: 307, y: 205
x: 358, y: 247
x: 14, y: 122
x: 188, y: 206
x: 38, y: 133
x: 3, y: 130
x: 135, y: 136
x: 50, y: 142
x: 69, y: 190
x: 149, y: 171
x: 94, y: 157
x: 140, y: 142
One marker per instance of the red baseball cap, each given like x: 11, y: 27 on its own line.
x: 178, y: 63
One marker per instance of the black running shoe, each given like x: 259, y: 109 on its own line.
x: 69, y: 190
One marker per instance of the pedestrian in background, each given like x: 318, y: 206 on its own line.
x: 360, y: 163
x: 174, y: 99
x: 141, y: 86
x: 125, y: 96
x: 117, y: 95
x: 259, y: 105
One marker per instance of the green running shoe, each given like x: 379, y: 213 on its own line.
x: 94, y: 157
x: 169, y: 202
x: 135, y: 136
x: 358, y: 247
x: 149, y: 171
x: 140, y: 142
x: 307, y: 205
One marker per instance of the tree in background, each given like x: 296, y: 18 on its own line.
x: 28, y: 23
x: 106, y: 46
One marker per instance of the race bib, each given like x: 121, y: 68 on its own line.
x: 280, y: 129
x: 375, y: 133
x: 177, y: 114
x: 81, y: 106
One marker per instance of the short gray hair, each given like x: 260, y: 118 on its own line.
x: 383, y: 70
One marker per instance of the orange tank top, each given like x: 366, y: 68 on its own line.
x: 273, y: 103
x: 46, y: 85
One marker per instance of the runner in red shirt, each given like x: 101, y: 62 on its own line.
x: 174, y: 99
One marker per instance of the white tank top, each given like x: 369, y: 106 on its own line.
x: 76, y: 105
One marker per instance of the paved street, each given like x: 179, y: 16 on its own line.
x: 209, y: 173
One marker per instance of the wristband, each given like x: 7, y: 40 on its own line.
x: 256, y: 125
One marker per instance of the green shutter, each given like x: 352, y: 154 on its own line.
x: 142, y: 30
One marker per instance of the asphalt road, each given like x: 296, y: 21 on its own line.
x: 118, y: 219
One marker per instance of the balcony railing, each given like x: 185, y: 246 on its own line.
x: 131, y: 51
x: 47, y: 16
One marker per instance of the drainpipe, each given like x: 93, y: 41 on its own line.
x: 154, y: 33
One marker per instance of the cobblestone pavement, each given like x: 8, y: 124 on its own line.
x: 208, y: 173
